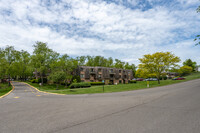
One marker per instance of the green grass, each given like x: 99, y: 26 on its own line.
x: 111, y: 88
x: 4, y: 88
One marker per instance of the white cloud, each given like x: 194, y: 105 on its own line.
x: 83, y: 27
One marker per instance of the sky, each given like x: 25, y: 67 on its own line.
x: 122, y: 29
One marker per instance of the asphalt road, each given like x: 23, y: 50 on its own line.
x: 170, y: 109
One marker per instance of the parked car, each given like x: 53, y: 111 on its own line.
x: 139, y: 79
x: 179, y: 78
x: 151, y: 79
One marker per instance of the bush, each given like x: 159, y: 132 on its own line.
x: 133, y: 81
x: 34, y: 81
x: 165, y: 78
x: 65, y: 83
x: 80, y: 85
x: 97, y: 83
x: 77, y: 78
x: 44, y: 80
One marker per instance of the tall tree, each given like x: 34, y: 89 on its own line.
x: 3, y: 64
x: 131, y: 67
x: 159, y: 62
x: 190, y: 63
x: 10, y: 57
x: 42, y: 58
x: 119, y: 64
x: 198, y: 36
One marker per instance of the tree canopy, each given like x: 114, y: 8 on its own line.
x: 45, y: 63
x: 198, y: 36
x: 190, y: 63
x: 158, y: 63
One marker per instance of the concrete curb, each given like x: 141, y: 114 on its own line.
x: 13, y: 87
x: 42, y: 91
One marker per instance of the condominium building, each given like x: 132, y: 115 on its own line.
x: 104, y: 74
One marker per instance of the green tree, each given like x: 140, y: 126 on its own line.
x: 65, y: 64
x: 198, y: 36
x: 185, y: 70
x: 3, y: 65
x: 142, y: 73
x: 10, y: 55
x: 131, y: 67
x: 57, y: 77
x: 42, y: 58
x: 119, y: 64
x: 190, y: 63
x: 159, y: 63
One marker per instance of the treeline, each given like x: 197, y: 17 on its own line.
x: 44, y: 61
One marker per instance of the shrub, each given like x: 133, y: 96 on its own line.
x: 185, y: 70
x: 34, y: 81
x: 133, y: 81
x: 77, y: 78
x: 97, y: 83
x: 44, y: 80
x: 165, y: 78
x: 80, y: 85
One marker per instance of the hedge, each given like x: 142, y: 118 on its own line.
x: 34, y: 81
x: 165, y: 78
x: 96, y: 83
x: 80, y: 85
x: 133, y: 81
x: 44, y: 80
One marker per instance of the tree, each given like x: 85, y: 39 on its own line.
x: 57, y: 77
x: 42, y: 58
x: 3, y: 65
x: 10, y: 55
x: 185, y: 70
x: 142, y: 73
x: 190, y: 63
x: 119, y: 64
x: 131, y: 67
x: 65, y: 64
x: 198, y: 36
x: 159, y: 63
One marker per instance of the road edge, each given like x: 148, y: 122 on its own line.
x: 42, y: 91
x: 13, y: 87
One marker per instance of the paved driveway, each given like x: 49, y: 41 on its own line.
x: 169, y: 109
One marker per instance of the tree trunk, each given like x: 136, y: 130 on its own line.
x: 57, y: 86
x: 158, y: 79
x: 9, y: 80
x: 42, y: 80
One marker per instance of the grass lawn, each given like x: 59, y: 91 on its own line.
x: 111, y: 88
x: 4, y: 88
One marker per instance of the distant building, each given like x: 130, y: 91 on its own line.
x: 171, y: 75
x: 104, y: 74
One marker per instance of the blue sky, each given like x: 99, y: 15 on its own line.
x: 123, y: 29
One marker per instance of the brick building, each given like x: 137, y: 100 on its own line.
x: 108, y: 75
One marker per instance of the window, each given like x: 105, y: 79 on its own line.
x: 99, y: 70
x: 91, y: 70
x: 111, y: 76
x: 120, y: 81
x: 120, y: 71
x: 82, y: 76
x: 99, y: 76
x: 129, y: 72
x: 120, y: 76
x: 111, y: 70
x: 91, y: 81
x: 81, y: 69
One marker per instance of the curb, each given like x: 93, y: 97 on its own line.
x: 42, y: 91
x: 13, y: 87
